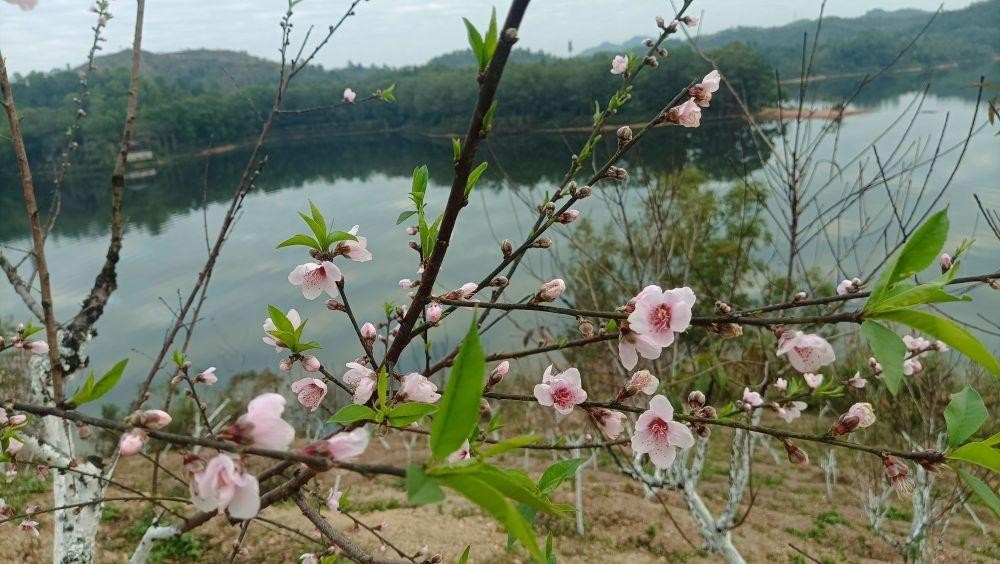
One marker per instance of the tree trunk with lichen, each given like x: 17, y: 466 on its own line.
x: 74, y: 529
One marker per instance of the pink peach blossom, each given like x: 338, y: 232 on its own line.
x: 316, y: 278
x: 659, y: 314
x: 551, y: 291
x: 267, y: 428
x: 434, y: 311
x: 702, y: 92
x: 361, y: 380
x: 561, y: 391
x: 224, y: 484
x: 293, y: 318
x: 912, y: 366
x: 208, y: 377
x: 610, y: 422
x: 416, y: 387
x: 311, y: 392
x: 14, y: 446
x: 806, y: 352
x: 344, y: 446
x: 752, y: 398
x: 632, y: 345
x: 308, y: 558
x: 813, y: 380
x: 687, y: 114
x: 643, y: 381
x: 131, y: 442
x: 28, y: 526
x: 917, y: 344
x: 792, y: 410
x: 463, y: 453
x: 619, y: 64
x: 350, y: 95
x: 36, y: 347
x: 857, y: 382
x: 864, y: 412
x: 781, y: 385
x: 368, y: 332
x: 658, y: 435
x: 355, y: 250
x: 24, y: 5
x: 845, y: 287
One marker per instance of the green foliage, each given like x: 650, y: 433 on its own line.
x: 353, y: 412
x: 982, y: 453
x: 507, y: 445
x: 420, y: 489
x: 93, y: 390
x: 287, y: 333
x: 322, y: 237
x: 982, y: 490
x: 483, y: 47
x: 888, y: 349
x: 956, y: 336
x: 965, y: 414
x: 558, y: 473
x: 919, y: 252
x: 459, y: 409
x: 403, y: 414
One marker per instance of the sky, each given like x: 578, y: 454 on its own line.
x: 391, y: 32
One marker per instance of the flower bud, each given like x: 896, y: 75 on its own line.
x: 800, y: 297
x: 499, y: 282
x: 568, y: 216
x: 334, y: 305
x: 722, y: 308
x: 726, y: 330
x: 285, y: 364
x: 507, y: 248
x: 572, y: 187
x: 696, y: 399
x: 624, y: 135
x: 414, y: 245
x: 660, y: 22
x: 707, y: 412
x: 497, y: 375
x: 550, y: 291
x: 586, y: 327
x: 648, y: 42
x: 845, y: 424
x: 549, y: 208
x: 542, y: 243
x: 932, y: 460
x: 16, y: 420
x: 616, y: 173
x: 583, y: 192
x: 412, y: 230
x: 701, y: 430
x: 433, y: 313
x: 311, y: 363
x: 651, y: 61
x: 368, y: 332
x: 796, y: 455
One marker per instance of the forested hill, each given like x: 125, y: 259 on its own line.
x: 969, y: 35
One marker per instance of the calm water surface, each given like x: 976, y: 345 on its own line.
x: 365, y: 182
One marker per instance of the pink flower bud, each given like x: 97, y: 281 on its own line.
x: 311, y: 363
x: 368, y: 332
x: 285, y: 365
x: 412, y: 231
x: 696, y: 399
x: 551, y: 291
x: 568, y: 216
x: 207, y: 377
x: 498, y: 374
x: 796, y: 455
x: 155, y: 419
x: 946, y: 262
x: 131, y: 442
x: 660, y: 22
x: 433, y: 313
x: 37, y: 347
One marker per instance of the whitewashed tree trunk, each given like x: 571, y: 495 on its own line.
x: 75, y: 529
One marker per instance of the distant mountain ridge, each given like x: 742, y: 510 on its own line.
x: 971, y: 33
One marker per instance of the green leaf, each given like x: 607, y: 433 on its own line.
x: 383, y: 388
x: 420, y: 489
x: 279, y: 319
x: 964, y: 415
x: 979, y: 488
x: 318, y: 229
x: 526, y: 511
x: 336, y: 236
x: 611, y: 326
x: 406, y: 413
x: 916, y: 295
x: 922, y: 248
x: 404, y: 216
x: 388, y: 94
x: 488, y: 118
x: 476, y: 43
x: 316, y: 214
x: 558, y: 473
x: 465, y: 555
x: 351, y: 413
x: 889, y: 350
x: 300, y: 240
x: 474, y: 178
x: 490, y: 41
x: 179, y: 358
x: 956, y: 336
x: 979, y: 453
x: 459, y: 410
x: 508, y: 445
x: 92, y: 390
x: 418, y: 186
x: 456, y: 149
x: 493, y: 502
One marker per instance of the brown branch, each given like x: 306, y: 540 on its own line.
x: 489, y: 82
x: 107, y: 280
x: 21, y: 287
x: 350, y: 549
x: 37, y: 231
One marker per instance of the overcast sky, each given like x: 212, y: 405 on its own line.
x: 393, y: 32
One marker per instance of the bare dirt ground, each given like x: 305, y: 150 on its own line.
x: 791, y: 520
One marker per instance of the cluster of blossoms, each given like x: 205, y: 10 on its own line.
x: 654, y: 316
x: 917, y: 348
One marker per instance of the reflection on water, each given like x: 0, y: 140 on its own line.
x: 365, y: 181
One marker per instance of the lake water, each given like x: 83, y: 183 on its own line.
x: 365, y: 181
